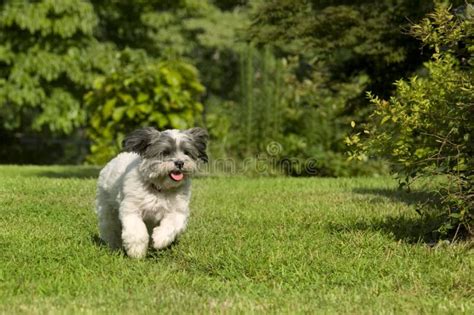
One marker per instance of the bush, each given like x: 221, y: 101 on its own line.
x: 427, y: 128
x: 162, y: 94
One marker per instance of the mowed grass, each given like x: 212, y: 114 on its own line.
x: 277, y: 245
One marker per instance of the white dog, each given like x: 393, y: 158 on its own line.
x: 145, y: 191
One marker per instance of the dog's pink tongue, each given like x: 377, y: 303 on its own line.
x: 177, y: 176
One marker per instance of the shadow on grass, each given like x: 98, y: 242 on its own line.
x: 151, y: 253
x: 399, y: 195
x: 406, y: 229
x: 410, y: 229
x: 97, y: 241
x: 74, y: 172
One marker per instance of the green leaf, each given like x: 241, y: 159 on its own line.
x: 95, y: 121
x: 126, y: 98
x: 118, y: 113
x: 144, y: 108
x: 142, y: 97
x: 108, y: 108
x: 131, y: 112
x: 176, y: 121
x: 384, y: 119
x: 159, y: 119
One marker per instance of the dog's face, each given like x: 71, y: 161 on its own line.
x: 170, y: 157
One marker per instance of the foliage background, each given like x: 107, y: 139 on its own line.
x: 288, y: 72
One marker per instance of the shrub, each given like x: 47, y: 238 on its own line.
x: 427, y: 127
x: 163, y: 94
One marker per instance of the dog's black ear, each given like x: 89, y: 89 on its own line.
x: 139, y: 140
x: 200, y: 138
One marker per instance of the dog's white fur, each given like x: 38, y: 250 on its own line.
x: 136, y: 201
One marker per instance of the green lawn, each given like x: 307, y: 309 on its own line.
x: 280, y: 245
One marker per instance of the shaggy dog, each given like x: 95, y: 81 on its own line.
x: 145, y: 190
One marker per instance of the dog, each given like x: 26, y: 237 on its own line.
x: 143, y: 193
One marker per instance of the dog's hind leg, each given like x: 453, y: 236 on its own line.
x: 110, y: 228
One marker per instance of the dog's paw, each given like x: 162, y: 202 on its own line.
x: 163, y: 238
x: 136, y: 251
x: 137, y: 247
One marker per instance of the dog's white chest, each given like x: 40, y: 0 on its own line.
x: 153, y: 208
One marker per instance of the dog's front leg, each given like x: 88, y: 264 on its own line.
x: 170, y: 226
x: 134, y: 235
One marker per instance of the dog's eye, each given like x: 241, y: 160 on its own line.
x: 186, y: 152
x: 165, y: 153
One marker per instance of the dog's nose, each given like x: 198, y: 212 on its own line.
x: 179, y: 164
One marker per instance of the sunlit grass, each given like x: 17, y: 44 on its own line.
x: 252, y: 245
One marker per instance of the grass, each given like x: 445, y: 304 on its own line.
x: 279, y: 245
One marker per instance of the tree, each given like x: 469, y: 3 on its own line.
x: 344, y: 49
x: 51, y: 52
x: 353, y: 38
x: 198, y: 31
x: 48, y: 58
x: 295, y: 121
